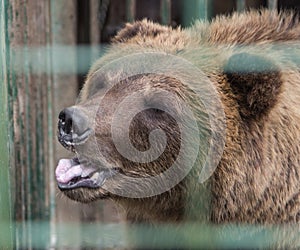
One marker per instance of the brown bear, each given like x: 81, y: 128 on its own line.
x: 221, y: 96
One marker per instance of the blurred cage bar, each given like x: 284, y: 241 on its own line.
x: 46, y: 49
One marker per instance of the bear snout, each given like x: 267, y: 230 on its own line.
x: 73, y: 127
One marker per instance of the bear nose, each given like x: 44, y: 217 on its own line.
x: 72, y: 125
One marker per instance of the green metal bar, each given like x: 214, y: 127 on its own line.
x: 167, y: 236
x: 6, y: 235
x: 272, y: 4
x: 62, y: 64
x: 241, y: 5
x: 62, y: 53
x: 165, y: 11
x: 130, y: 10
x: 196, y: 9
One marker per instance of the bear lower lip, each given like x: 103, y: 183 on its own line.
x: 96, y: 180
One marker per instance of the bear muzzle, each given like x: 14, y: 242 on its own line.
x: 73, y: 132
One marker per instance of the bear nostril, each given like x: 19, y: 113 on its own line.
x: 65, y: 121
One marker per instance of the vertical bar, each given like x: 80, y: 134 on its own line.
x: 6, y: 241
x: 95, y: 29
x: 196, y: 9
x: 272, y: 4
x: 83, y: 36
x: 130, y: 10
x: 165, y: 11
x: 64, y: 31
x: 30, y: 91
x: 94, y: 22
x: 241, y: 5
x: 204, y: 9
x: 102, y: 14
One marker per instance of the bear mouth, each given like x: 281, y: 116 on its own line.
x: 75, y: 173
x: 70, y: 140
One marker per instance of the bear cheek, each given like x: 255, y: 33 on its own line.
x: 140, y: 130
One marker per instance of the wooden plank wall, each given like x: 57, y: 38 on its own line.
x: 6, y: 235
x: 30, y: 100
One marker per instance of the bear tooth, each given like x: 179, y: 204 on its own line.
x: 95, y: 177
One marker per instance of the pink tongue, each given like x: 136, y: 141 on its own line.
x: 65, y: 171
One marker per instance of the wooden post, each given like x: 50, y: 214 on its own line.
x: 65, y: 92
x: 6, y: 235
x: 241, y: 5
x: 165, y: 12
x: 196, y: 9
x: 273, y: 4
x: 30, y: 102
x: 130, y: 10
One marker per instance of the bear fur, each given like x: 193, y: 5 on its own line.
x: 252, y: 59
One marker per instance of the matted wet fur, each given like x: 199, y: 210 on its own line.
x: 252, y: 59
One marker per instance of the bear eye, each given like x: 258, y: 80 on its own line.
x: 157, y: 111
x: 96, y: 83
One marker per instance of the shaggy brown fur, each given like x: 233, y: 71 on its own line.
x: 248, y: 58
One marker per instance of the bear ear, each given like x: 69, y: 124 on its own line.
x: 255, y: 81
x: 142, y: 29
